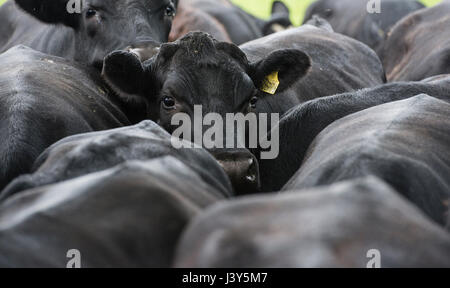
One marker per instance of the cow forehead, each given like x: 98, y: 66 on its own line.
x: 206, y: 77
x: 209, y: 88
x: 212, y: 62
x: 202, y: 50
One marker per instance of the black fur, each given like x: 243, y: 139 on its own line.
x: 46, y: 98
x: 303, y: 123
x: 417, y: 47
x: 405, y: 143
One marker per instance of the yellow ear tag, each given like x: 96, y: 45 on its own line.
x: 271, y: 83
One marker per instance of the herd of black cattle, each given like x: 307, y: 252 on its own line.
x: 87, y: 163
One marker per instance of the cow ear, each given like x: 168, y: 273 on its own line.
x: 233, y: 51
x: 66, y: 12
x: 280, y: 70
x: 278, y: 7
x: 280, y: 19
x: 125, y: 74
x: 167, y: 51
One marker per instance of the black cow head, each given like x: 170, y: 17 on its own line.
x: 102, y: 26
x: 198, y: 70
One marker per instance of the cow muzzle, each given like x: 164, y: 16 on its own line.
x: 241, y: 167
x: 144, y: 49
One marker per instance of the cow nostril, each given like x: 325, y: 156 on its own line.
x: 252, y: 171
x: 251, y: 178
x: 252, y: 166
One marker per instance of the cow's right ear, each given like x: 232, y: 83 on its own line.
x: 53, y: 11
x: 125, y: 74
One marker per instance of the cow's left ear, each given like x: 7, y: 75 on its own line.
x: 280, y: 70
x: 66, y: 12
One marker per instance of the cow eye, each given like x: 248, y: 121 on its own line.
x: 328, y: 13
x: 253, y: 102
x: 170, y: 11
x: 91, y: 12
x: 168, y: 103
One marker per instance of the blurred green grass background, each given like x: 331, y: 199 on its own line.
x: 261, y: 8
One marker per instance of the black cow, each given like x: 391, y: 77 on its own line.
x: 418, y: 46
x: 101, y: 27
x: 128, y: 216
x: 226, y: 21
x: 44, y: 99
x: 83, y: 154
x: 354, y: 18
x: 302, y: 124
x: 350, y: 224
x: 198, y: 70
x: 405, y: 143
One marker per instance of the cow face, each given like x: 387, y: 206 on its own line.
x: 198, y: 70
x: 102, y: 26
